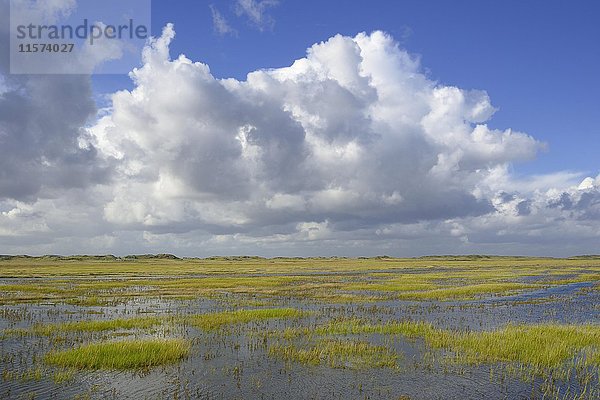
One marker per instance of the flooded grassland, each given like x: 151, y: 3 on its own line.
x: 241, y: 328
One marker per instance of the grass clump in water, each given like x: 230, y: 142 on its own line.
x: 337, y: 353
x: 123, y: 355
x: 63, y: 376
x: 541, y: 346
x: 468, y: 292
x: 213, y: 321
x: 355, y: 326
x: 93, y: 326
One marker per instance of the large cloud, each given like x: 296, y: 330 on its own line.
x: 41, y: 127
x: 350, y: 150
x: 353, y: 133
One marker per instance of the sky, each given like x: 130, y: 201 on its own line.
x: 288, y: 128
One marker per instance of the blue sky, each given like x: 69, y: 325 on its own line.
x: 538, y: 60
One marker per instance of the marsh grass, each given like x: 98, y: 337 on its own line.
x: 63, y: 376
x: 335, y: 280
x: 468, y: 292
x: 89, y: 326
x: 28, y: 375
x: 541, y: 347
x: 122, y: 355
x: 390, y: 286
x: 213, y: 321
x: 356, y: 326
x: 345, y: 294
x: 337, y: 297
x: 338, y: 353
x: 92, y: 301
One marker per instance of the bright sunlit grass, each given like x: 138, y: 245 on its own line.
x: 467, y: 292
x: 357, y: 326
x: 540, y: 346
x: 123, y: 355
x: 212, y: 321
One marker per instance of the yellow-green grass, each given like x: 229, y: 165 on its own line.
x: 63, y: 376
x: 32, y: 374
x: 92, y: 301
x: 338, y: 353
x: 336, y: 297
x: 356, y: 326
x: 468, y: 292
x: 540, y: 346
x: 122, y: 355
x: 338, y: 280
x: 216, y: 320
x: 390, y: 286
x: 24, y: 267
x: 31, y: 288
x: 90, y: 326
x: 586, y: 277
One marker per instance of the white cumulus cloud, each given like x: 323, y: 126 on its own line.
x: 351, y: 150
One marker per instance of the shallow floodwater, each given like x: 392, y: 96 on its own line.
x: 235, y: 364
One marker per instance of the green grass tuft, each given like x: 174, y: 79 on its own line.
x: 338, y: 353
x: 541, y: 346
x: 357, y: 326
x: 213, y: 321
x: 468, y: 292
x: 123, y: 355
x: 96, y: 325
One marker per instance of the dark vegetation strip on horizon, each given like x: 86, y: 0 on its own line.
x: 167, y: 256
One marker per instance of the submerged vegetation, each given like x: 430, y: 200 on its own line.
x: 527, y: 325
x: 90, y: 326
x: 337, y: 353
